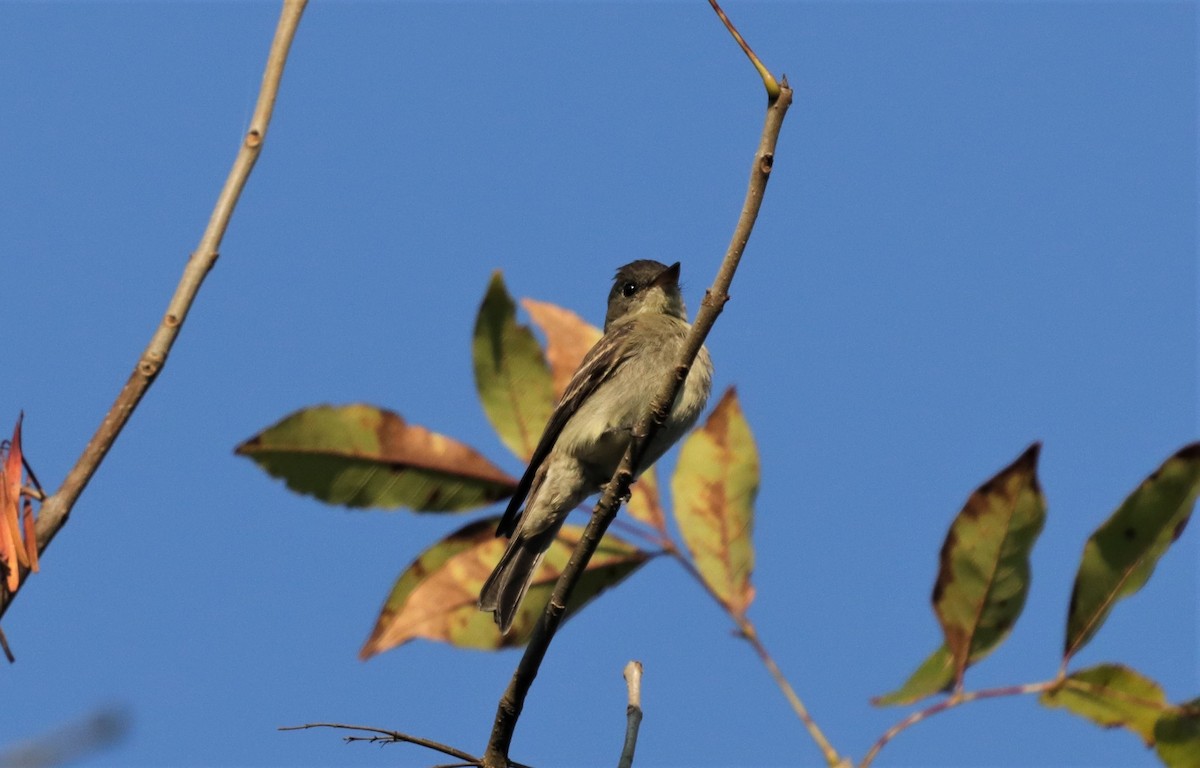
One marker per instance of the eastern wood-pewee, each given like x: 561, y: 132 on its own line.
x: 590, y: 428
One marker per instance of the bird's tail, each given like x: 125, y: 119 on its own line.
x: 506, y: 587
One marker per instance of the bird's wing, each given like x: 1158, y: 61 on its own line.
x: 598, y: 366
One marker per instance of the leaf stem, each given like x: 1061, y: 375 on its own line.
x: 747, y: 631
x: 768, y: 79
x: 957, y: 699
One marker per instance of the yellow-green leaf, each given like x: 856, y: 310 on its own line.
x: 1177, y: 736
x: 935, y: 675
x: 983, y: 577
x: 1111, y: 695
x: 436, y: 596
x: 362, y: 456
x: 510, y: 373
x: 568, y: 339
x: 714, y: 487
x: 1121, y: 555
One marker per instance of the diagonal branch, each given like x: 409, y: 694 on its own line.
x: 512, y: 702
x: 58, y: 507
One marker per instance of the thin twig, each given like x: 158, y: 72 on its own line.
x: 390, y: 737
x: 57, y: 508
x: 768, y: 79
x: 512, y: 702
x: 748, y: 632
x: 949, y: 703
x: 32, y: 493
x: 633, y: 713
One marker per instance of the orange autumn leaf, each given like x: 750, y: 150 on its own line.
x: 8, y: 549
x: 568, y: 339
x: 12, y: 470
x: 437, y: 596
x: 10, y: 498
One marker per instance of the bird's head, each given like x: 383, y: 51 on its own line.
x: 645, y: 286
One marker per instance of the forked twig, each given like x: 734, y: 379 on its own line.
x: 384, y: 736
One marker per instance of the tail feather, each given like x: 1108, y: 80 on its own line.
x: 506, y: 587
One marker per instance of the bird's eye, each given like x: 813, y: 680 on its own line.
x: 628, y: 289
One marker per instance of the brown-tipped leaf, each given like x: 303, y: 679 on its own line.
x: 1177, y: 736
x: 437, y: 595
x: 644, y: 502
x: 568, y: 339
x: 1120, y: 556
x: 935, y: 675
x: 983, y: 577
x: 714, y: 487
x: 510, y: 373
x: 1112, y: 696
x: 362, y: 456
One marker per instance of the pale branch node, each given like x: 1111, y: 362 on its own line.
x: 633, y: 713
x: 57, y: 507
x: 508, y: 710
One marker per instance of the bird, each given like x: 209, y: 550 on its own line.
x: 590, y: 428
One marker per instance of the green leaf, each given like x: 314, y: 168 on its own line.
x: 511, y: 374
x: 437, y: 595
x: 984, y: 574
x: 1111, y: 695
x: 1177, y: 736
x: 715, y: 482
x: 935, y: 675
x: 1120, y: 556
x: 362, y: 456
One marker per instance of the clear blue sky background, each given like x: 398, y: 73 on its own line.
x: 981, y: 231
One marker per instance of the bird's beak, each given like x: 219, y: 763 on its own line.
x: 668, y: 277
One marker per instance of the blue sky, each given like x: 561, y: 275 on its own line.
x: 980, y: 232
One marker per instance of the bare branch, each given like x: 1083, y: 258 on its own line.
x: 512, y: 702
x: 58, y: 507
